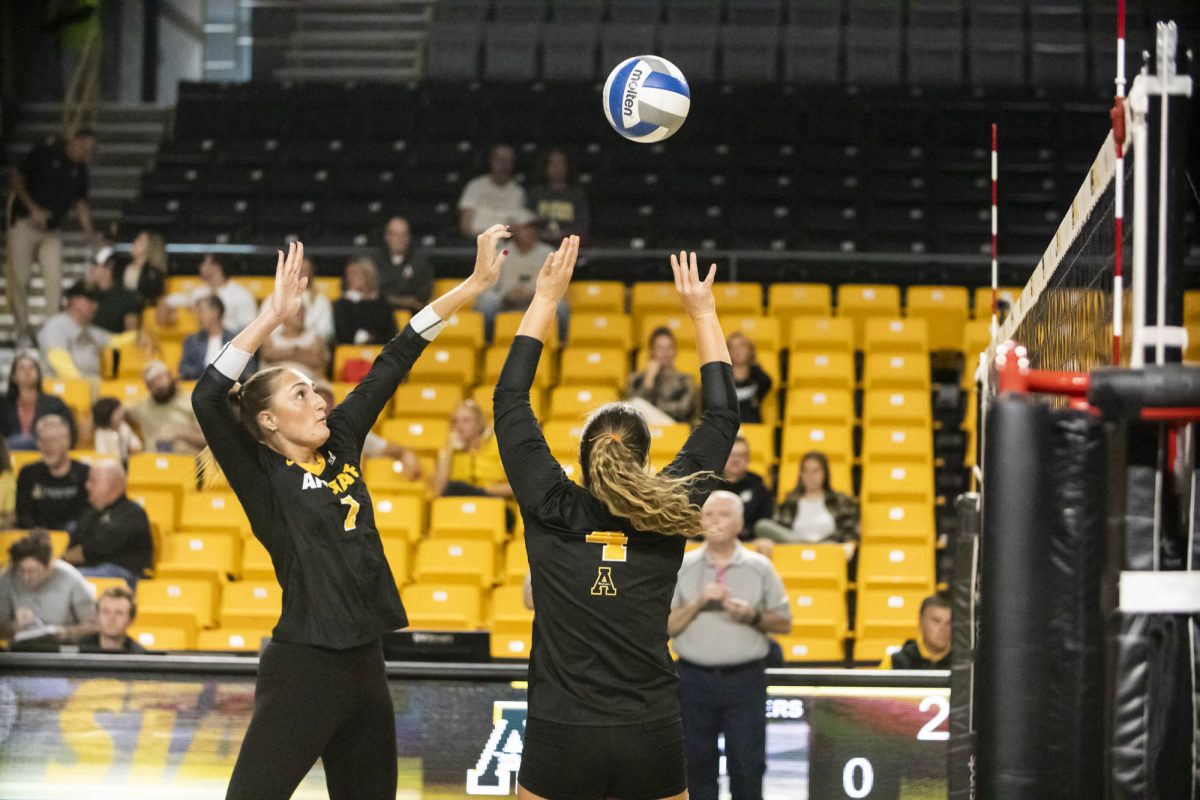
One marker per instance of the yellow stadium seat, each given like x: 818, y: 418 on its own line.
x: 860, y: 302
x: 596, y: 297
x: 463, y: 328
x: 423, y: 400
x: 162, y: 637
x: 653, y: 297
x: 256, y: 561
x: 88, y: 457
x: 881, y: 335
x: 763, y: 331
x: 789, y: 475
x: 896, y: 371
x: 509, y: 613
x: 897, y: 522
x: 834, y: 441
x: 820, y: 406
x: 944, y: 309
x: 887, y: 482
x: 506, y: 326
x: 469, y: 561
x: 244, y: 640
x: 468, y: 518
x: 665, y: 442
x: 168, y: 351
x: 75, y: 392
x: 738, y: 298
x: 181, y: 284
x: 442, y: 606
x: 258, y: 285
x: 207, y: 556
x: 826, y: 370
x: 761, y: 440
x: 788, y: 300
x: 1192, y: 354
x: 895, y: 566
x: 161, y: 507
x: 811, y: 566
x: 395, y: 550
x: 576, y: 402
x: 678, y: 324
x: 23, y: 458
x: 516, y: 562
x: 445, y: 364
x: 58, y: 542
x: 896, y: 407
x: 401, y: 318
x: 425, y: 436
x: 897, y: 443
x: 176, y: 330
x: 186, y: 602
x: 101, y: 585
x: 601, y: 330
x: 818, y: 613
x: 347, y: 352
x: 493, y: 363
x: 888, y: 614
x: 812, y: 648
x: 388, y: 475
x: 165, y: 471
x: 251, y: 604
x: 562, y: 438
x: 482, y: 395
x: 1191, y: 306
x: 212, y: 511
x: 401, y: 516
x: 510, y: 645
x: 594, y: 366
x: 127, y: 390
x: 982, y: 299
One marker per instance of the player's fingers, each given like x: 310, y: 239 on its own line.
x: 675, y: 273
x: 693, y: 272
x: 712, y: 275
x: 279, y: 266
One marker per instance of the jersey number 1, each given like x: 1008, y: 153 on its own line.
x: 352, y: 513
x: 614, y: 550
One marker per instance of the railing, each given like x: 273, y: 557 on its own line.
x: 83, y: 92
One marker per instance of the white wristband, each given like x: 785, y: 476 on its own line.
x: 231, y: 362
x: 427, y: 323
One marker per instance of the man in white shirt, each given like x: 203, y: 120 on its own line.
x: 71, y: 332
x: 489, y: 199
x: 201, y: 348
x: 514, y: 290
x: 240, y: 308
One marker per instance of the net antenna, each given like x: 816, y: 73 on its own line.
x: 1117, y: 114
x: 995, y: 222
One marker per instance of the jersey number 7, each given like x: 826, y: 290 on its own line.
x: 352, y: 513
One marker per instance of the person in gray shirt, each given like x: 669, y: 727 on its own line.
x: 43, y: 598
x: 72, y: 331
x: 727, y: 599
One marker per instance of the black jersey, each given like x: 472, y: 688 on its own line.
x: 603, y: 589
x: 320, y: 530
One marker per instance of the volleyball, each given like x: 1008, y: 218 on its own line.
x: 646, y: 98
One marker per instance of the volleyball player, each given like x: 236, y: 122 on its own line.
x: 321, y: 689
x: 604, y: 716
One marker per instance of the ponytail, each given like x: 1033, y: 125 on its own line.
x: 246, y: 402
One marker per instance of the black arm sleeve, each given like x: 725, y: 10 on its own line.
x: 235, y: 450
x: 352, y: 420
x: 707, y: 449
x: 25, y: 499
x: 533, y: 472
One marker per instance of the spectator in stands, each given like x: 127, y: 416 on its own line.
x: 52, y: 178
x: 748, y: 486
x: 201, y: 347
x: 661, y: 392
x: 165, y: 418
x: 294, y: 344
x: 813, y: 512
x: 240, y: 307
x: 52, y: 493
x: 111, y: 434
x: 360, y: 316
x: 752, y: 383
x: 405, y: 274
x: 489, y: 199
x: 318, y: 311
x: 43, y: 597
x: 116, y: 609
x: 70, y: 344
x: 469, y: 464
x: 727, y: 599
x: 8, y: 488
x: 146, y: 272
x: 117, y: 308
x: 931, y: 648
x: 514, y: 290
x: 112, y: 539
x: 561, y: 208
x: 25, y: 403
x: 375, y: 445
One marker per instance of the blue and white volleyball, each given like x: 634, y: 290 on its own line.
x: 646, y: 98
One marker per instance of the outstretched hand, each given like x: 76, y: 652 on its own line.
x: 489, y: 258
x: 290, y: 283
x: 555, y: 275
x: 695, y: 294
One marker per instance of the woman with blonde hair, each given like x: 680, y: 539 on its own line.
x: 296, y: 469
x: 469, y: 464
x: 146, y: 273
x: 604, y: 717
x: 360, y: 315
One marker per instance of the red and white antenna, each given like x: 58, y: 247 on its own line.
x: 995, y: 267
x: 1118, y: 128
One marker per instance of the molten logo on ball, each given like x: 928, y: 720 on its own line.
x: 646, y: 99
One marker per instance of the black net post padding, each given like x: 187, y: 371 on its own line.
x: 963, y: 592
x: 1121, y: 394
x: 1074, y: 756
x: 1011, y: 668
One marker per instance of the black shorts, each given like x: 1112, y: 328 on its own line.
x: 583, y: 762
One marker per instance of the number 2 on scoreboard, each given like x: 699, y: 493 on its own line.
x: 929, y: 731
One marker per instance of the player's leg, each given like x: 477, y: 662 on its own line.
x: 744, y: 723
x: 294, y: 714
x: 562, y: 762
x: 701, y: 726
x: 360, y: 758
x: 648, y: 761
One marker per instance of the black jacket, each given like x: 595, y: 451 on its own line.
x: 118, y: 534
